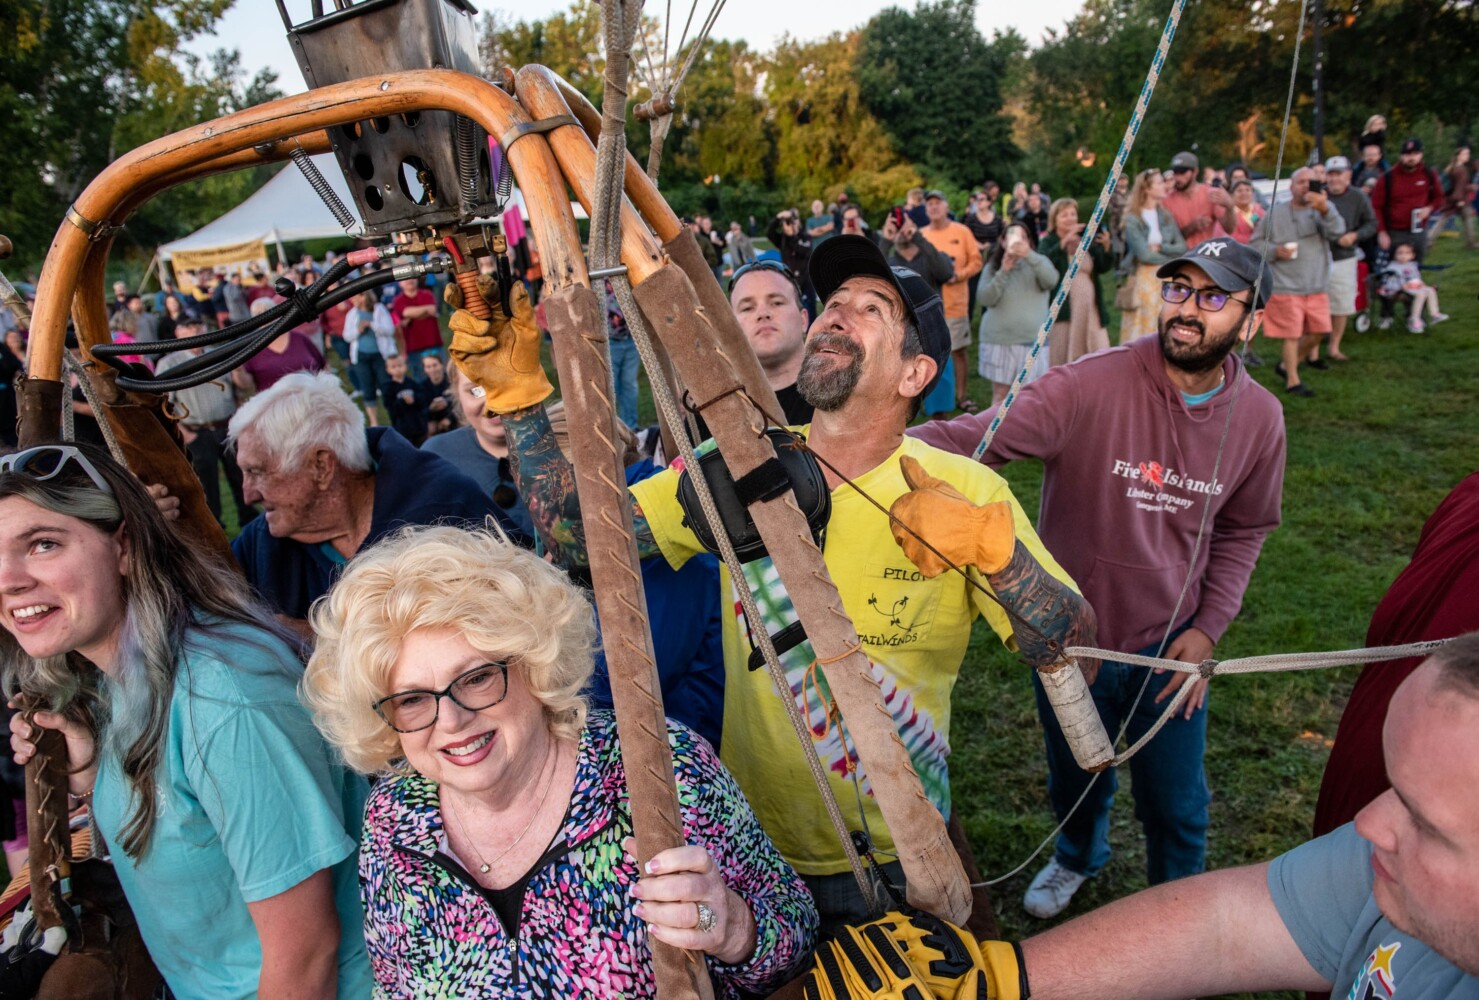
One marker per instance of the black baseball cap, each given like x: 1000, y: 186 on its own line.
x: 852, y: 256
x: 1413, y: 145
x: 1231, y: 265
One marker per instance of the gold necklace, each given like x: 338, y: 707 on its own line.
x: 485, y: 866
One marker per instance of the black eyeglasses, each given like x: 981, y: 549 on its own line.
x: 1208, y: 299
x: 766, y: 264
x: 48, y: 460
x: 412, y: 711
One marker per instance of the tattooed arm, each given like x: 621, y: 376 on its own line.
x: 547, y: 485
x: 1043, y: 607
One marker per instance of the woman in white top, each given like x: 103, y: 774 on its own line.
x: 372, y: 337
x: 1151, y: 238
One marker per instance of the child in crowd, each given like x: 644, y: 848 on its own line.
x: 436, y: 396
x: 402, y: 401
x: 1403, y: 276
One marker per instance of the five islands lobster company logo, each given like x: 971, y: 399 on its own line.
x: 1376, y: 980
x: 1158, y: 487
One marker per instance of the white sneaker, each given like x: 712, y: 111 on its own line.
x: 1052, y: 890
x: 1385, y: 323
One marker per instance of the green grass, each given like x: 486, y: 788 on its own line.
x: 1387, y: 436
x: 1384, y: 440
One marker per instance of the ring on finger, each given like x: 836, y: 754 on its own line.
x: 706, y: 918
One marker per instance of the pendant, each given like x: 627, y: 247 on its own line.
x: 483, y: 868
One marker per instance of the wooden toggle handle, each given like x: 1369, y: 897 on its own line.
x: 1068, y: 693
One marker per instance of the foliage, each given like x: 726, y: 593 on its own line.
x: 82, y: 81
x: 826, y: 139
x: 936, y: 85
x: 1229, y: 65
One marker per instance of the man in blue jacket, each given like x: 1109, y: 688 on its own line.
x: 328, y: 488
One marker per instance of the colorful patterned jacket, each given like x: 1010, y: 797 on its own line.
x: 431, y: 933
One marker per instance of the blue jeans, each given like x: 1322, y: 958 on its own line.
x: 367, y: 374
x: 1168, y: 781
x: 625, y: 363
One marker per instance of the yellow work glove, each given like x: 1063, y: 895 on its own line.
x: 500, y: 355
x: 900, y: 957
x: 968, y: 534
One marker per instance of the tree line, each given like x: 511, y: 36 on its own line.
x: 911, y: 98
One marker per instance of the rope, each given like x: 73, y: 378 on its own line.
x: 1126, y: 144
x: 1236, y: 392
x: 90, y: 393
x: 605, y: 253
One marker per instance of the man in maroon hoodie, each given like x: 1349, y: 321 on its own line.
x: 1404, y: 197
x: 1129, y: 438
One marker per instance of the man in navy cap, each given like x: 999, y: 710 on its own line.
x: 1134, y: 455
x: 875, y: 349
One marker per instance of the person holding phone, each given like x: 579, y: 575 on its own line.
x: 1081, y: 326
x: 1014, y: 288
x: 1296, y: 237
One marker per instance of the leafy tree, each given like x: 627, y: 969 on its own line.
x: 826, y: 139
x: 936, y: 85
x: 721, y: 127
x: 83, y: 81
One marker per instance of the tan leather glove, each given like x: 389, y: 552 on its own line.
x: 967, y: 534
x: 500, y: 355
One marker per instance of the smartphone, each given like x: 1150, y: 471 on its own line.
x: 1317, y: 187
x: 897, y: 214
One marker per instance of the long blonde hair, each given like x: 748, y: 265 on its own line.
x: 1140, y: 193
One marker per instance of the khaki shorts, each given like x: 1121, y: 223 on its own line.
x: 960, y: 332
x: 1289, y: 317
x: 1343, y: 287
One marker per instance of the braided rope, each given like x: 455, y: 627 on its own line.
x: 605, y: 250
x: 1126, y: 144
x: 90, y: 393
x: 1236, y: 391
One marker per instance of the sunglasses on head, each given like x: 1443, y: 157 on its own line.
x: 47, y: 462
x: 766, y: 265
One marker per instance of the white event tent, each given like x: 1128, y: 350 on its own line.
x: 285, y: 209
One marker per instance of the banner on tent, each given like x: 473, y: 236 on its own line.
x: 236, y: 257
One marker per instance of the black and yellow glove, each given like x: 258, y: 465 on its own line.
x: 918, y: 957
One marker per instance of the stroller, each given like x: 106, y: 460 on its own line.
x: 1379, y: 285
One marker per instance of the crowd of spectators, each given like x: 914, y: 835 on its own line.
x: 455, y: 663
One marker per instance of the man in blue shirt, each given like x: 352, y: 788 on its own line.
x: 328, y: 487
x: 1385, y: 907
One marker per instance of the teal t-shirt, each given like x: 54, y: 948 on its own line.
x: 1322, y: 890
x: 251, y: 803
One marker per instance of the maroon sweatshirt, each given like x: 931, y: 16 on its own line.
x: 1409, y: 190
x: 1127, y: 475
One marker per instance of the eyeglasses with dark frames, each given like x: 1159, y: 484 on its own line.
x: 484, y: 686
x: 47, y: 462
x: 1208, y: 299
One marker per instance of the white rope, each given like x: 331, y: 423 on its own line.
x: 1132, y: 129
x: 1269, y: 663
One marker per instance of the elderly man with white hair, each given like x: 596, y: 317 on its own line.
x: 328, y: 487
